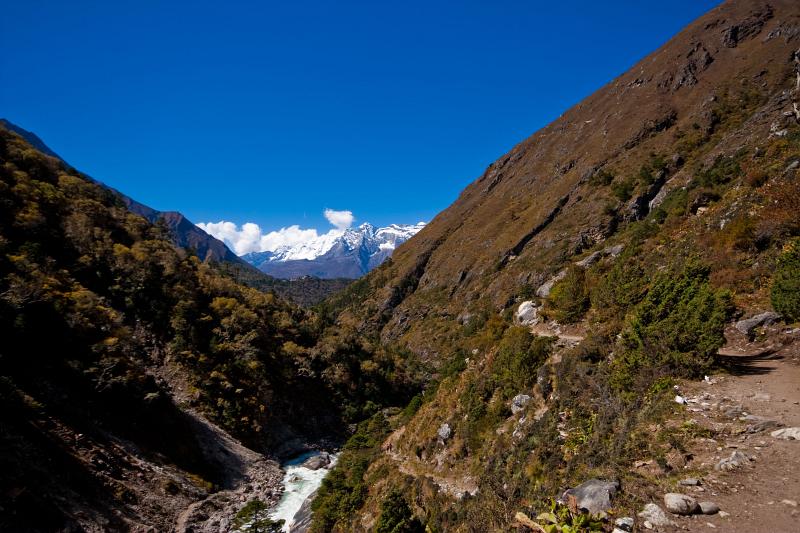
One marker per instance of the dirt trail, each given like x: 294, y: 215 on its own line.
x: 762, y: 380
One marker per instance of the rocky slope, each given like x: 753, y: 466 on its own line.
x: 350, y: 255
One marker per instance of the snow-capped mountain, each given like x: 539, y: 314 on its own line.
x: 349, y: 254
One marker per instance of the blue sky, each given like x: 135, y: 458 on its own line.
x: 269, y: 112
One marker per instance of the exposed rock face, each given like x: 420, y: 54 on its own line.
x: 593, y: 495
x: 680, y: 504
x: 747, y: 326
x: 528, y: 313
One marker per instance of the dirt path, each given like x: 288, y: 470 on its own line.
x: 761, y: 385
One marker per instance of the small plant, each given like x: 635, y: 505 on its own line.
x: 785, y: 292
x: 561, y: 519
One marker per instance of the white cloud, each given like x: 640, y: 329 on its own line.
x: 341, y: 219
x: 251, y: 238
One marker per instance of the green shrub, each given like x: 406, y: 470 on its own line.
x: 623, y: 189
x: 569, y: 298
x: 396, y: 516
x: 785, y: 292
x: 254, y: 518
x: 678, y: 327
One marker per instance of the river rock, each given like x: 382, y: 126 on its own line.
x: 747, y: 326
x: 528, y: 313
x: 787, y: 434
x: 736, y: 460
x: 317, y: 461
x: 708, y: 507
x: 655, y: 515
x: 593, y: 495
x: 519, y: 402
x: 680, y: 504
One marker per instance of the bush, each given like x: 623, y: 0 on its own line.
x: 569, y: 298
x: 785, y: 293
x: 396, y: 516
x: 254, y: 518
x: 677, y: 328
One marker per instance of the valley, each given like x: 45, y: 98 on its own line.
x: 599, y: 334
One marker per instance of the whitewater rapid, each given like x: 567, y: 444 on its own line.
x: 299, y: 483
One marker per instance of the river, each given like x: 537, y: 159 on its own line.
x: 299, y: 483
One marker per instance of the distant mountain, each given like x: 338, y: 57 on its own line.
x: 349, y: 255
x: 185, y: 234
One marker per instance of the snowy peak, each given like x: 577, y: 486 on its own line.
x: 350, y: 253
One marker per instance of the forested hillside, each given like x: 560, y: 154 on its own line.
x: 118, y: 346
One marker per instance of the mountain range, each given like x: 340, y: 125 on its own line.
x: 349, y: 254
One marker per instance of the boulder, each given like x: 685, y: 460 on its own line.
x: 708, y: 507
x: 787, y: 434
x: 614, y: 251
x: 736, y: 460
x: 317, y: 461
x: 444, y: 431
x: 593, y: 495
x: 689, y: 482
x: 528, y: 313
x: 519, y: 402
x: 680, y: 504
x: 747, y: 326
x: 656, y: 516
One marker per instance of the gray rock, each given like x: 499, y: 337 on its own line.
x: 317, y: 461
x: 527, y: 313
x: 689, y: 482
x: 787, y: 434
x: 519, y: 402
x: 708, y: 507
x: 680, y: 504
x: 656, y: 516
x: 759, y: 424
x: 736, y: 460
x: 614, y: 251
x: 590, y: 260
x: 624, y: 523
x: 747, y: 326
x: 593, y: 495
x: 444, y: 431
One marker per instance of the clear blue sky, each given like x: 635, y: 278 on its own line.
x: 271, y: 111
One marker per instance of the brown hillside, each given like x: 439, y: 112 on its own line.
x: 535, y: 207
